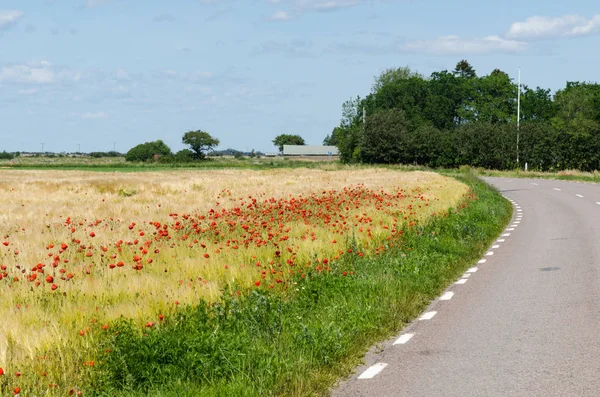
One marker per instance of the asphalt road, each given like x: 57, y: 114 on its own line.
x: 525, y: 323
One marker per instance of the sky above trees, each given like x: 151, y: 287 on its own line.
x: 98, y: 73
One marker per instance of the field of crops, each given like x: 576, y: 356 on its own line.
x: 78, y: 250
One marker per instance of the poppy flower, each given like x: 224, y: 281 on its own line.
x: 49, y: 279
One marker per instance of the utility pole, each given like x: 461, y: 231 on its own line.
x: 518, y: 114
x: 78, y: 148
x: 114, y: 146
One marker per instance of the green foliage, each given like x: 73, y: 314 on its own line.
x: 98, y: 155
x: 298, y: 343
x: 200, y: 142
x: 457, y: 118
x: 286, y: 139
x: 147, y: 151
x: 333, y: 139
x: 6, y: 156
x: 184, y: 156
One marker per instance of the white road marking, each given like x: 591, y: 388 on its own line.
x: 472, y: 270
x: 466, y: 275
x: 428, y: 316
x: 490, y: 253
x: 403, y: 339
x: 506, y: 235
x: 535, y: 184
x: 372, y: 371
x: 447, y: 296
x: 519, y: 210
x: 501, y: 240
x: 462, y: 281
x: 557, y: 189
x: 481, y: 262
x: 514, y: 225
x: 511, y: 229
x: 598, y: 202
x: 495, y: 246
x: 517, y: 222
x: 579, y: 195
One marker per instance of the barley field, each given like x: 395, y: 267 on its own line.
x: 79, y: 250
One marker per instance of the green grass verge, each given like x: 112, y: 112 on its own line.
x: 570, y: 175
x: 302, y: 342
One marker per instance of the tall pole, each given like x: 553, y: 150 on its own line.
x: 42, y: 147
x: 518, y: 113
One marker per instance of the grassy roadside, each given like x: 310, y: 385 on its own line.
x: 300, y: 343
x: 569, y: 175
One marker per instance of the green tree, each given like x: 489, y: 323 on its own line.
x: 465, y: 70
x: 578, y: 109
x: 393, y: 75
x: 333, y: 138
x: 537, y: 105
x: 286, y: 139
x: 200, y: 142
x: 385, y: 138
x: 146, y: 151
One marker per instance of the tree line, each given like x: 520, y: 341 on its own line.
x: 454, y: 118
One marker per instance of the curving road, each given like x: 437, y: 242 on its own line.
x: 524, y: 322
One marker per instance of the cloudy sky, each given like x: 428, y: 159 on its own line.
x: 98, y: 73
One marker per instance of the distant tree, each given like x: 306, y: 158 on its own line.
x: 464, y: 69
x: 200, y: 142
x: 333, y: 138
x: 184, y: 156
x: 147, y: 151
x: 6, y: 156
x: 285, y: 139
x: 392, y: 76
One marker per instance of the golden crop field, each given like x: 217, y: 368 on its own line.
x: 80, y: 249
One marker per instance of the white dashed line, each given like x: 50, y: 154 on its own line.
x: 501, y: 240
x: 447, y: 296
x: 372, y: 371
x: 511, y: 229
x: 472, y: 270
x: 535, y: 184
x: 403, y: 339
x: 466, y: 275
x: 598, y: 202
x: 557, y: 189
x: 462, y: 281
x: 506, y: 235
x: 495, y: 246
x: 482, y: 261
x: 490, y: 253
x: 427, y: 316
x: 579, y: 195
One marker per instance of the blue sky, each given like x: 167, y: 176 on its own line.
x: 94, y: 72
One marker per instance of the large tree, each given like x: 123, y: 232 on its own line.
x: 200, y: 142
x: 286, y: 139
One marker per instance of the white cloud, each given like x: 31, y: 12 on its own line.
x: 455, y: 45
x: 9, y: 18
x: 36, y: 73
x: 325, y: 5
x: 279, y: 16
x: 94, y: 115
x: 538, y: 27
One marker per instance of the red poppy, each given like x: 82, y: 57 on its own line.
x: 49, y: 279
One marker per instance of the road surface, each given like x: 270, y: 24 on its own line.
x: 526, y: 322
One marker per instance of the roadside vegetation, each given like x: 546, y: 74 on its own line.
x: 225, y: 282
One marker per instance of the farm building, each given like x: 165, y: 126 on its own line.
x: 310, y: 151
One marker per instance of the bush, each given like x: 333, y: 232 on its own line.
x: 147, y: 151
